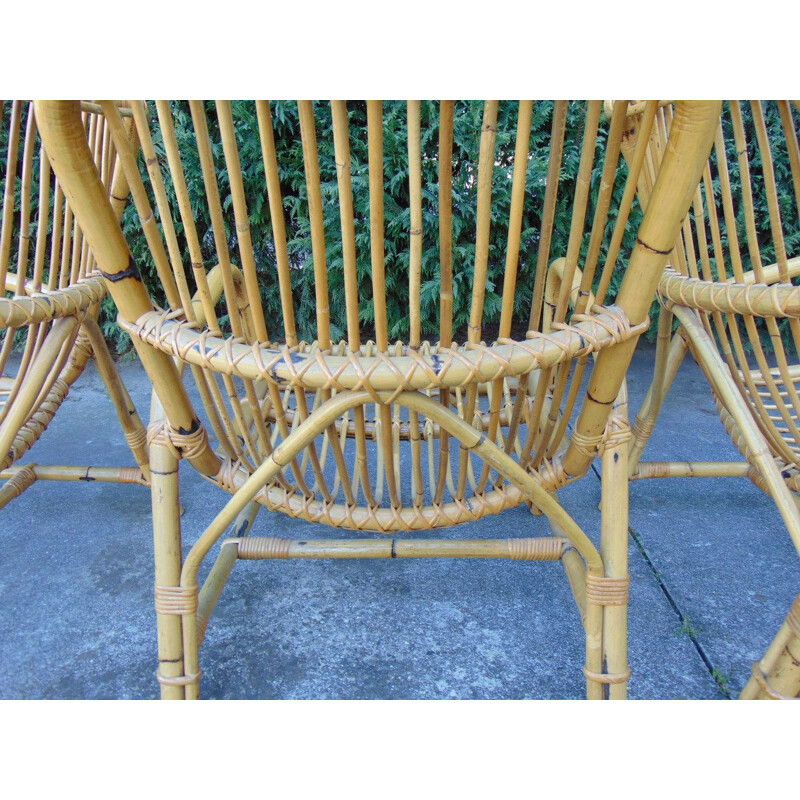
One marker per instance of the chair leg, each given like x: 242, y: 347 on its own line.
x: 606, y: 619
x: 614, y: 550
x: 167, y: 548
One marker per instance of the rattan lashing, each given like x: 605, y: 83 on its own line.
x: 727, y: 298
x: 316, y: 429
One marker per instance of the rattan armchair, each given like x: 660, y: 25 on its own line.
x: 365, y: 433
x: 730, y: 286
x: 51, y: 299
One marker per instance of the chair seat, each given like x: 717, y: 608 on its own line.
x: 308, y: 367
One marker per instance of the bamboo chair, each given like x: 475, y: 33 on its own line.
x: 51, y: 299
x: 730, y: 286
x: 368, y: 434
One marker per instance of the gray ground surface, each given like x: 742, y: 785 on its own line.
x: 713, y: 572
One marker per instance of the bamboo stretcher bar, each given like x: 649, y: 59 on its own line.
x: 691, y: 469
x: 529, y: 549
x: 68, y: 473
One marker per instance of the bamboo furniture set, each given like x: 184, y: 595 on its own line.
x: 51, y: 299
x: 400, y: 438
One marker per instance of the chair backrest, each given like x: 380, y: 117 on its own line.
x: 381, y: 222
x: 48, y: 275
x: 738, y: 255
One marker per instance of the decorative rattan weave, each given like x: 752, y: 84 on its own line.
x: 359, y: 431
x: 730, y: 284
x: 51, y: 298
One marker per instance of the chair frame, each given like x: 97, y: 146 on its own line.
x: 351, y: 380
x: 56, y: 295
x: 707, y: 309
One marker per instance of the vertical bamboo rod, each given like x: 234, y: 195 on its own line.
x: 485, y: 175
x: 792, y: 148
x: 770, y: 189
x: 515, y: 216
x: 276, y: 217
x: 8, y: 191
x: 202, y: 137
x: 341, y: 143
x: 634, y: 170
x: 445, y: 269
x: 142, y: 130
x: 25, y: 202
x: 42, y: 222
x: 512, y: 260
x: 610, y: 169
x: 376, y: 220
x: 244, y: 240
x: 446, y: 222
x: 142, y: 203
x: 745, y: 185
x: 186, y: 214
x: 483, y: 223
x: 579, y: 206
x: 55, y: 238
x: 65, y: 262
x: 414, y: 281
x: 311, y: 162
x: 415, y: 233
x: 376, y: 223
x: 557, y: 131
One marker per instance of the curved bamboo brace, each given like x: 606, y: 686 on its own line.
x: 455, y: 426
